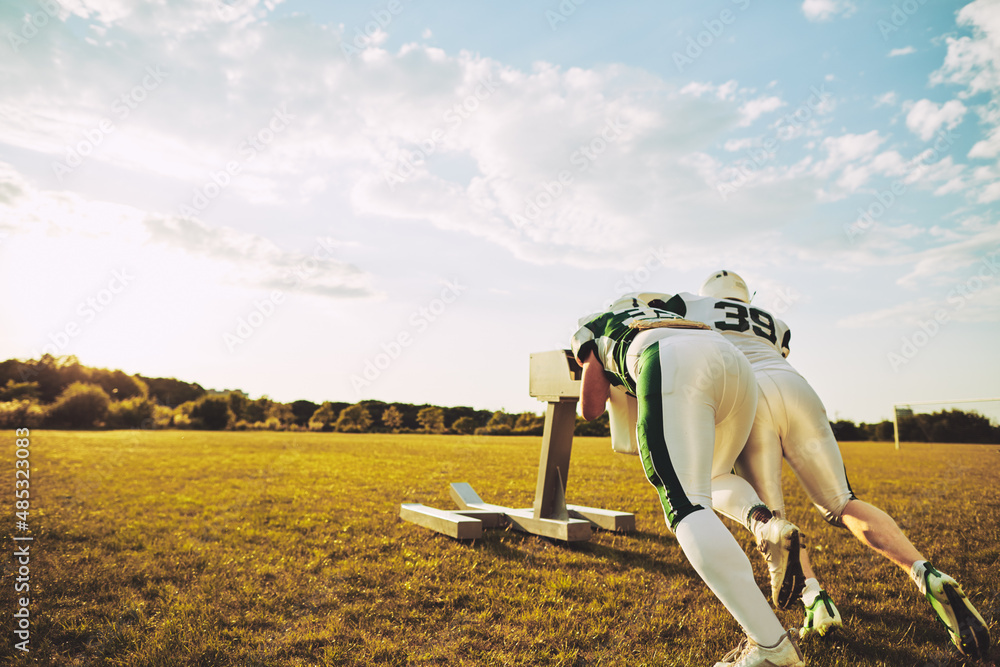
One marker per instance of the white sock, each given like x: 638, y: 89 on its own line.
x: 810, y: 592
x: 917, y: 574
x: 717, y: 558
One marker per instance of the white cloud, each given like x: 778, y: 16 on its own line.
x: 847, y: 149
x: 960, y: 275
x: 110, y: 231
x: 754, y: 109
x: 886, y: 99
x: 825, y: 10
x: 974, y: 61
x: 724, y: 91
x: 637, y: 152
x: 903, y: 51
x: 925, y: 118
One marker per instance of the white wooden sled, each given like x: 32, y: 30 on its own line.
x: 553, y: 377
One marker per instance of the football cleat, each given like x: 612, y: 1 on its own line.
x: 965, y: 626
x: 779, y: 541
x: 750, y: 654
x: 821, y: 618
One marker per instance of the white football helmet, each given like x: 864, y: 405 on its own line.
x: 725, y: 285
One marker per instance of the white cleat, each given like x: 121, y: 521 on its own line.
x: 965, y: 626
x: 821, y: 618
x: 779, y: 541
x: 749, y: 654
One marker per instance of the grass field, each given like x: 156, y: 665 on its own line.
x: 205, y: 548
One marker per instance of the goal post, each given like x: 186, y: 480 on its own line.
x: 905, y: 410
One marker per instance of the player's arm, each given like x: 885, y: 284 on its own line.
x: 594, y: 387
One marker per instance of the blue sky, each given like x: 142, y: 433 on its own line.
x: 402, y: 200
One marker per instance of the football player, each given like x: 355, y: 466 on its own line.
x: 697, y: 398
x: 791, y: 424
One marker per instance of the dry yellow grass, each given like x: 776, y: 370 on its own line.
x: 201, y: 548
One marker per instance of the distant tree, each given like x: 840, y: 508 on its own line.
x: 500, y: 423
x: 431, y: 419
x: 479, y: 417
x: 464, y: 425
x: 24, y: 413
x: 80, y: 405
x: 14, y: 391
x: 376, y: 409
x: 212, y: 413
x: 392, y: 418
x: 353, y: 419
x: 847, y: 431
x: 238, y: 402
x: 324, y: 418
x: 529, y: 423
x: 118, y: 385
x: 280, y: 413
x: 163, y: 417
x: 302, y: 411
x: 598, y: 428
x: 948, y: 426
x: 257, y: 409
x: 134, y: 412
x: 883, y: 431
x: 171, y: 392
x: 55, y: 374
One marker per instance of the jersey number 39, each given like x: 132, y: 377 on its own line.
x: 742, y: 318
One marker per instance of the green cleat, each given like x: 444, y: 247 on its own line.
x: 821, y: 618
x: 965, y: 626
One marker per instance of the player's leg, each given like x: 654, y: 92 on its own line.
x: 812, y: 451
x: 879, y: 532
x: 814, y: 455
x: 760, y: 462
x: 676, y: 429
x: 737, y: 497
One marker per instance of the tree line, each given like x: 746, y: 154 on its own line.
x: 59, y: 392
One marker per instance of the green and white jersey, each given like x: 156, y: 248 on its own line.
x: 608, y: 335
x: 759, y: 335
